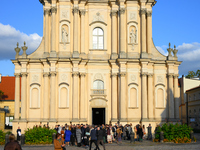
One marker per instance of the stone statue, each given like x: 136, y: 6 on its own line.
x: 133, y: 36
x: 175, y: 51
x: 64, y: 35
x: 169, y: 50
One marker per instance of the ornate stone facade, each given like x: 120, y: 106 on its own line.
x: 90, y: 61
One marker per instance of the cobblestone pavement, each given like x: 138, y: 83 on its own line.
x: 145, y: 145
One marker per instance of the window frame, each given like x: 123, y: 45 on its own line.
x: 98, y: 38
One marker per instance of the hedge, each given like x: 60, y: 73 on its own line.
x: 174, y: 133
x: 39, y: 135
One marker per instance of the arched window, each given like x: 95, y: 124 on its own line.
x: 97, y: 38
x: 98, y: 84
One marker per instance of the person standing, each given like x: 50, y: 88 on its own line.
x: 93, y: 135
x: 139, y: 132
x: 67, y: 136
x: 144, y: 132
x: 149, y: 132
x: 18, y: 134
x: 12, y: 144
x: 100, y: 134
x: 78, y: 136
x: 59, y: 143
x: 119, y: 138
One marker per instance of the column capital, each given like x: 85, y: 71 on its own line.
x: 46, y: 74
x: 82, y: 74
x: 113, y: 74
x: 24, y: 74
x: 46, y: 11
x: 170, y: 75
x: 176, y: 76
x: 143, y: 11
x: 113, y: 12
x: 75, y: 73
x: 122, y: 11
x: 54, y: 9
x: 82, y: 12
x: 150, y: 75
x: 75, y: 10
x: 17, y: 74
x: 53, y: 73
x: 122, y: 74
x: 149, y: 13
x: 144, y: 74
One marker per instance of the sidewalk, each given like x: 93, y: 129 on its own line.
x: 126, y: 145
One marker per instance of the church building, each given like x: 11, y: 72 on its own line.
x: 96, y: 63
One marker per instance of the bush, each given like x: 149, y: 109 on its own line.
x: 2, y: 137
x: 39, y: 136
x: 175, y: 133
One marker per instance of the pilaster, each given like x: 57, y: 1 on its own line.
x: 143, y: 44
x: 144, y: 95
x: 53, y: 31
x: 24, y: 96
x: 46, y: 37
x: 82, y: 13
x: 52, y: 96
x: 114, y: 30
x: 171, y: 96
x: 46, y: 96
x: 75, y: 32
x: 122, y: 33
x: 149, y: 31
x: 150, y: 97
x: 17, y: 95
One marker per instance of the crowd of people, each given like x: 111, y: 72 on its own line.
x: 84, y: 135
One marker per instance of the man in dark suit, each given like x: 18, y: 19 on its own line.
x: 93, y: 135
x: 100, y: 135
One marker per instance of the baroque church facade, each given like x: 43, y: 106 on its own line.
x: 96, y: 64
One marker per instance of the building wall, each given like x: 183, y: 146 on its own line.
x: 57, y: 79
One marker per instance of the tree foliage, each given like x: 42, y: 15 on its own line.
x: 1, y: 94
x: 192, y: 74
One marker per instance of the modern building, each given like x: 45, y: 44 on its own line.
x: 193, y: 107
x: 186, y: 84
x: 7, y: 102
x: 96, y: 64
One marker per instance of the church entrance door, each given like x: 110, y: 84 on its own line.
x: 98, y: 116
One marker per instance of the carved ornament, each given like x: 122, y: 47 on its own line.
x: 17, y: 75
x: 82, y: 12
x: 53, y: 10
x: 150, y: 75
x: 113, y: 12
x: 46, y: 74
x: 114, y: 74
x: 149, y: 13
x: 122, y: 11
x: 122, y: 74
x: 53, y: 73
x: 76, y: 73
x: 35, y: 78
x: 82, y: 74
x: 143, y: 11
x: 24, y: 74
x: 46, y: 11
x: 75, y: 10
x: 144, y: 74
x: 133, y: 77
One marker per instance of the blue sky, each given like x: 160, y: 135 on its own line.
x: 175, y: 21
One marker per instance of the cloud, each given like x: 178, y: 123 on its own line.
x: 161, y: 49
x: 9, y: 37
x: 188, y: 53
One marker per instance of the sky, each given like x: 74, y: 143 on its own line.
x: 174, y: 21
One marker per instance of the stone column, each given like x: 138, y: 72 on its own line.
x: 150, y: 97
x: 53, y: 32
x: 75, y: 107
x: 123, y: 106
x: 82, y: 98
x: 122, y: 33
x: 176, y: 96
x: 17, y: 95
x: 144, y: 96
x: 170, y: 96
x: 46, y: 36
x: 143, y: 18
x: 114, y: 101
x: 46, y: 96
x: 149, y: 31
x: 114, y: 34
x: 52, y: 96
x: 82, y: 13
x: 75, y: 32
x: 23, y: 96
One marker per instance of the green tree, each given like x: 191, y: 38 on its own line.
x: 1, y: 94
x: 191, y: 74
x: 198, y: 73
